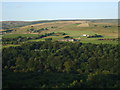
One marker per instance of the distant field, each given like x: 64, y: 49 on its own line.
x: 108, y: 29
x: 17, y: 35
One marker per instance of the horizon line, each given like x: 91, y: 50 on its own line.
x: 60, y: 19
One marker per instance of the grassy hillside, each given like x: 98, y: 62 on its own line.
x: 75, y: 29
x: 106, y: 20
x: 15, y: 24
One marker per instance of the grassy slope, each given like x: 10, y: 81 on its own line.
x: 16, y: 35
x: 72, y: 29
x: 17, y: 24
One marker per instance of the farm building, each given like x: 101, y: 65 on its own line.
x: 85, y: 35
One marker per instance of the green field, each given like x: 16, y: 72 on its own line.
x: 75, y: 29
x: 17, y: 35
x: 6, y: 46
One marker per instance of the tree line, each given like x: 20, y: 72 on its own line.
x: 88, y: 65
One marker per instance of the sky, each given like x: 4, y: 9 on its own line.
x: 60, y: 0
x: 32, y: 11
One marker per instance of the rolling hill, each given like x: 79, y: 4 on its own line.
x: 75, y: 29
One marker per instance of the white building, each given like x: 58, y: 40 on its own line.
x: 85, y: 35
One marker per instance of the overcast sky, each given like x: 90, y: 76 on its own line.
x: 23, y: 11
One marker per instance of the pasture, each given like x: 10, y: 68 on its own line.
x: 74, y: 29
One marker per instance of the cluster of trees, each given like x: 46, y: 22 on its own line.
x: 7, y: 31
x: 107, y: 26
x: 78, y: 65
x: 15, y: 40
x: 68, y: 37
x: 114, y: 39
x: 48, y: 39
x: 32, y: 30
x: 94, y: 36
x: 20, y: 39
